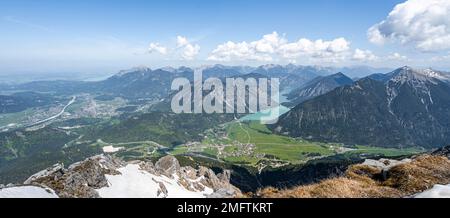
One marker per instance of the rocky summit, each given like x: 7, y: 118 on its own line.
x: 106, y: 176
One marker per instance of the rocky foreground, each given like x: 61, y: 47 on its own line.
x: 426, y: 175
x: 103, y: 176
x: 106, y: 176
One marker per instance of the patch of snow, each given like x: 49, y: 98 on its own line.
x: 429, y: 95
x: 392, y: 94
x: 27, y: 192
x: 434, y: 74
x: 111, y: 149
x: 438, y: 191
x: 136, y: 183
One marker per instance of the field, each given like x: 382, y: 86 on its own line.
x: 280, y: 147
x: 252, y: 143
x: 387, y: 152
x: 18, y: 117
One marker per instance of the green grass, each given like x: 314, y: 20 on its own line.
x: 179, y: 150
x: 77, y: 105
x: 388, y: 152
x: 211, y: 151
x: 6, y: 119
x: 282, y: 147
x: 245, y: 160
x: 276, y: 147
x: 230, y: 148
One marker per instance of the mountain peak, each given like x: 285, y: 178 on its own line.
x: 104, y: 176
x: 339, y: 74
x: 270, y: 66
x: 407, y: 73
x: 406, y: 67
x: 132, y: 70
x: 318, y: 86
x: 169, y: 69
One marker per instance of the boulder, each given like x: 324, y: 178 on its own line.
x: 168, y: 166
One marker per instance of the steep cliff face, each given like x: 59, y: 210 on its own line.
x: 105, y: 176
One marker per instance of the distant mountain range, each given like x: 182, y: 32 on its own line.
x: 406, y: 107
x: 316, y: 87
x: 23, y: 100
x: 144, y: 82
x: 356, y: 72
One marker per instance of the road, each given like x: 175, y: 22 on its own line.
x: 55, y: 116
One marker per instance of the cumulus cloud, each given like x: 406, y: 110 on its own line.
x: 397, y: 57
x: 155, y: 47
x: 189, y: 50
x: 316, y: 49
x: 260, y: 50
x: 364, y: 55
x: 273, y: 45
x: 237, y: 51
x: 182, y: 41
x: 423, y: 23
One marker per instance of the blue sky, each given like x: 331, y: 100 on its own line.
x: 109, y: 35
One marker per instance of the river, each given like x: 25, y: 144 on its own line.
x: 55, y: 116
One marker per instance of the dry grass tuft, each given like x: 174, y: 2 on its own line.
x: 334, y: 188
x: 362, y: 181
x: 421, y: 174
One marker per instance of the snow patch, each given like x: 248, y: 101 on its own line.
x: 27, y: 192
x: 434, y: 74
x: 111, y: 149
x: 438, y: 191
x: 136, y: 183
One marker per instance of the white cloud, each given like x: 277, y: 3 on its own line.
x: 375, y: 36
x: 182, y: 41
x: 423, y: 23
x: 155, y: 47
x: 260, y: 50
x: 364, y: 55
x: 189, y: 50
x: 269, y: 43
x: 315, y: 49
x: 237, y: 51
x: 397, y: 57
x: 443, y: 58
x: 273, y: 45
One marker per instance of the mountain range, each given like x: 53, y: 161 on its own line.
x: 406, y: 107
x: 318, y: 86
x: 145, y: 83
x: 23, y: 100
